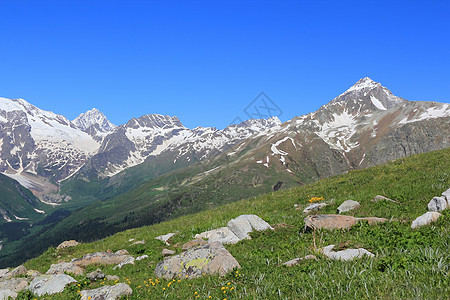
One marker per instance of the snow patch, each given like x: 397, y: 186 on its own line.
x: 377, y: 103
x: 39, y: 211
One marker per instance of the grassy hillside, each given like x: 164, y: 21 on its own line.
x: 408, y: 263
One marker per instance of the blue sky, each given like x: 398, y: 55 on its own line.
x: 205, y: 61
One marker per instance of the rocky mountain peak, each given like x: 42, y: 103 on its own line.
x: 155, y: 121
x: 94, y: 117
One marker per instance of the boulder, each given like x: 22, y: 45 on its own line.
x: 165, y: 237
x: 7, y: 294
x: 33, y: 273
x: 107, y: 292
x: 14, y: 284
x: 3, y: 272
x: 223, y: 235
x: 296, y: 261
x: 425, y: 219
x: 101, y: 258
x: 63, y: 267
x: 244, y: 224
x: 314, y: 207
x: 211, y: 258
x: 437, y: 204
x: 95, y: 275
x: 347, y: 206
x: 65, y: 244
x: 446, y: 195
x: 20, y: 270
x: 381, y: 198
x: 193, y: 243
x: 112, y: 277
x: 345, y: 255
x: 50, y: 284
x: 167, y: 252
x: 122, y: 252
x: 337, y: 221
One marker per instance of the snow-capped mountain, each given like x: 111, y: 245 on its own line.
x: 94, y: 123
x: 37, y: 144
x: 364, y: 126
x: 151, y: 135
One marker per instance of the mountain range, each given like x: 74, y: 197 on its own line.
x: 153, y: 168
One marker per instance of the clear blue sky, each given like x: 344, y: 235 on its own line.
x: 205, y: 61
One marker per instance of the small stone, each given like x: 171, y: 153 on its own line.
x: 425, y: 219
x: 122, y: 252
x: 345, y: 255
x: 112, y: 277
x: 167, y: 252
x: 437, y: 204
x: 95, y: 275
x: 107, y: 292
x: 101, y: 258
x: 50, y: 284
x: 142, y: 257
x: 347, y: 206
x: 314, y: 207
x: 337, y: 221
x: 381, y: 198
x: 66, y: 244
x: 138, y: 243
x: 165, y: 237
x: 223, y: 235
x: 296, y: 261
x: 193, y: 243
x: 129, y: 261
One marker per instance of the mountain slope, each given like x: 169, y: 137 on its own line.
x: 403, y: 257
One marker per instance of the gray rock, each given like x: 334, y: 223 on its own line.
x: 211, y: 258
x: 345, y: 255
x: 14, y: 284
x: 437, y: 204
x: 347, y: 206
x: 3, y: 272
x: 446, y: 195
x: 50, y: 284
x: 129, y: 261
x: 337, y: 221
x: 244, y: 224
x: 223, y: 235
x: 142, y: 257
x: 6, y: 274
x: 193, y: 243
x: 381, y: 198
x: 101, y: 258
x: 167, y: 252
x: 112, y: 277
x: 138, y: 243
x: 66, y: 244
x: 61, y: 268
x: 95, y: 275
x: 165, y: 237
x: 425, y: 219
x: 122, y: 252
x: 314, y: 207
x: 296, y: 261
x: 7, y: 294
x: 107, y: 292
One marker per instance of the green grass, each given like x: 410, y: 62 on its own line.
x: 408, y: 263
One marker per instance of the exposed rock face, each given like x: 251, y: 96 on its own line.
x: 345, y: 255
x: 7, y: 274
x: 296, y: 261
x: 107, y: 292
x: 7, y: 294
x: 211, y: 258
x: 50, y: 284
x: 65, y: 244
x: 61, y: 268
x: 347, y: 206
x: 437, y: 204
x: 425, y: 219
x: 314, y: 207
x: 337, y: 221
x: 14, y: 284
x: 101, y: 258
